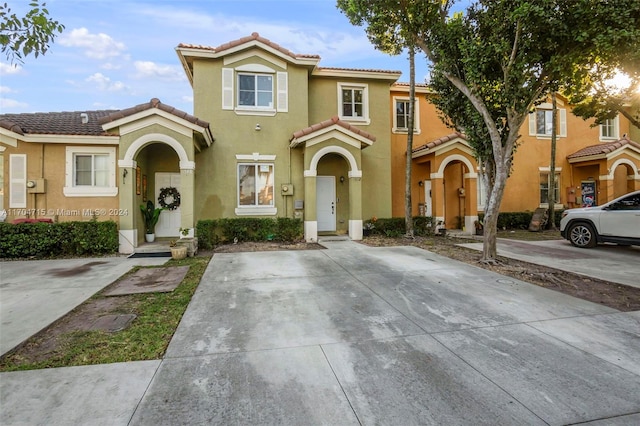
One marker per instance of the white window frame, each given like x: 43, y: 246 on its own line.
x: 17, y: 181
x: 416, y: 122
x: 72, y: 190
x: 614, y: 125
x: 562, y: 122
x: 255, y: 107
x: 231, y: 93
x: 365, y: 103
x: 547, y: 171
x: 255, y: 210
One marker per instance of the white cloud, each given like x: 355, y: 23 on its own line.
x: 12, y: 104
x: 148, y: 69
x: 7, y: 69
x: 188, y: 99
x: 96, y: 46
x: 6, y: 89
x: 104, y: 83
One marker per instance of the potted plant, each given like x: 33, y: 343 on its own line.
x: 369, y: 226
x: 177, y: 251
x: 150, y: 214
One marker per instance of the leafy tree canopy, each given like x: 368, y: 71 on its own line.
x: 503, y: 57
x: 30, y: 34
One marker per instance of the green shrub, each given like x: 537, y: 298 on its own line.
x: 519, y: 220
x: 395, y: 226
x: 212, y: 232
x: 47, y: 240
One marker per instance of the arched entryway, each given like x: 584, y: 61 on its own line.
x: 332, y: 194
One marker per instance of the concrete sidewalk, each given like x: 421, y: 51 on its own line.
x: 358, y: 335
x: 607, y: 262
x: 35, y: 293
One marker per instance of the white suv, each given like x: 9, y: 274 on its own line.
x: 617, y: 221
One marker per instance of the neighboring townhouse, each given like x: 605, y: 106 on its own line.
x: 292, y: 139
x: 594, y: 164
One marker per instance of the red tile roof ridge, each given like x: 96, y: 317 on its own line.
x: 246, y: 39
x: 330, y: 122
x: 360, y: 69
x: 604, y: 148
x: 153, y: 103
x: 440, y: 141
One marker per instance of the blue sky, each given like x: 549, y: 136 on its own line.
x: 117, y: 54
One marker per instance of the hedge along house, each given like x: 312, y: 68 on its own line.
x: 602, y: 160
x: 293, y: 139
x: 103, y: 165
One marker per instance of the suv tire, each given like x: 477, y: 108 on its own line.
x: 582, y: 235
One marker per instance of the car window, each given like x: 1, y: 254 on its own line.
x: 629, y: 203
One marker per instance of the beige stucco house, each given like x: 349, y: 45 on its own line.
x: 273, y: 134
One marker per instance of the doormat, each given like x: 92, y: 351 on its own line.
x: 149, y: 280
x: 154, y: 254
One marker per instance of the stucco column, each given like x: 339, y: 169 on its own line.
x: 310, y: 207
x: 437, y: 198
x: 187, y: 200
x: 471, y: 202
x: 355, y: 205
x: 128, y: 233
x: 604, y: 187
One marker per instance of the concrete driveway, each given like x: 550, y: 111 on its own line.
x: 359, y: 335
x: 608, y: 262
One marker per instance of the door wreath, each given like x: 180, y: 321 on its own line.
x: 169, y: 198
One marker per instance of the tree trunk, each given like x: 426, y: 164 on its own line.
x: 408, y: 210
x: 551, y: 197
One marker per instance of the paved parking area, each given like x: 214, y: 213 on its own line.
x: 607, y: 262
x: 359, y: 335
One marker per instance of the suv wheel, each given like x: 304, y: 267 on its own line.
x: 582, y: 235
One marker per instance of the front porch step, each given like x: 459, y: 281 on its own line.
x: 325, y: 238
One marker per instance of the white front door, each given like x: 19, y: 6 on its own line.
x: 169, y: 222
x: 326, y: 199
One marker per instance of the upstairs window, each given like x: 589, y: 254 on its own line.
x: 255, y: 91
x: 609, y: 129
x: 541, y: 122
x: 401, y: 116
x: 353, y: 102
x: 544, y: 122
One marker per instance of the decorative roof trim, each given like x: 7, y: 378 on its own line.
x: 334, y: 123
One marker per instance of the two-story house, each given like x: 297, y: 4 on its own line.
x: 593, y: 164
x: 273, y: 134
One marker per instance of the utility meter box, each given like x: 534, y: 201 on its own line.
x: 286, y: 189
x: 298, y: 204
x: 36, y: 186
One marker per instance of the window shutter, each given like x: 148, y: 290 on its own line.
x: 562, y: 117
x: 18, y: 180
x: 532, y: 123
x: 283, y: 99
x: 227, y: 88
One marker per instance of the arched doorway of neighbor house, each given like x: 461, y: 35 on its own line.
x: 454, y: 195
x: 332, y: 194
x: 161, y: 168
x: 623, y: 174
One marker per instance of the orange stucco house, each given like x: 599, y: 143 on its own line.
x: 602, y: 159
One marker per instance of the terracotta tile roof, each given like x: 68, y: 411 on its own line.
x: 328, y: 123
x: 440, y: 141
x: 359, y: 69
x: 243, y: 40
x: 153, y: 103
x: 603, y: 148
x: 55, y: 123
